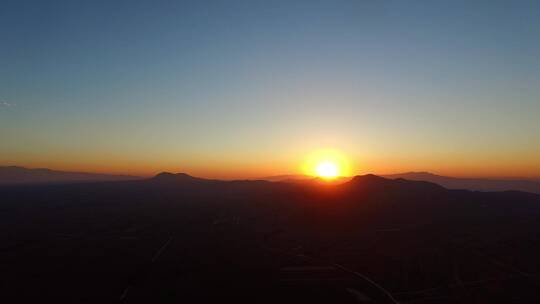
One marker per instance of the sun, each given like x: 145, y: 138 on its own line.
x: 327, y: 164
x: 327, y: 170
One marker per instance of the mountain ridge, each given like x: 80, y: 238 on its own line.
x: 17, y: 175
x: 475, y: 184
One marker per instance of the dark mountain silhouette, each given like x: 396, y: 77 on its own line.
x: 19, y: 175
x: 287, y: 177
x: 168, y: 177
x: 175, y: 238
x: 472, y: 183
x: 377, y: 183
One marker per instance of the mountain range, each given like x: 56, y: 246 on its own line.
x: 477, y: 184
x: 13, y: 175
x: 10, y: 175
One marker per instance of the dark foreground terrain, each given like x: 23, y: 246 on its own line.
x: 178, y: 239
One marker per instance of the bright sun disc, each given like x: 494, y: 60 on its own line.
x: 327, y: 170
x: 327, y: 164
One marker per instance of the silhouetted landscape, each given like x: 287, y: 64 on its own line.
x: 12, y: 175
x: 177, y: 238
x: 479, y: 184
x: 329, y: 151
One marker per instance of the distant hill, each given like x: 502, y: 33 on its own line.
x: 287, y: 177
x: 472, y: 183
x: 12, y: 175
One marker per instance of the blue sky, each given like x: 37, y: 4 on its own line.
x: 246, y: 88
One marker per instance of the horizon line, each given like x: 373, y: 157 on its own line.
x: 265, y: 177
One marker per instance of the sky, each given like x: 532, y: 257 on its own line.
x: 252, y: 88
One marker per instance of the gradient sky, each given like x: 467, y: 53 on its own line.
x: 242, y: 89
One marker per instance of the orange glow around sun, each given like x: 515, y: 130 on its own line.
x: 327, y: 164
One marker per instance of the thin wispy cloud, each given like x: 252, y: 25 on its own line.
x: 5, y: 104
